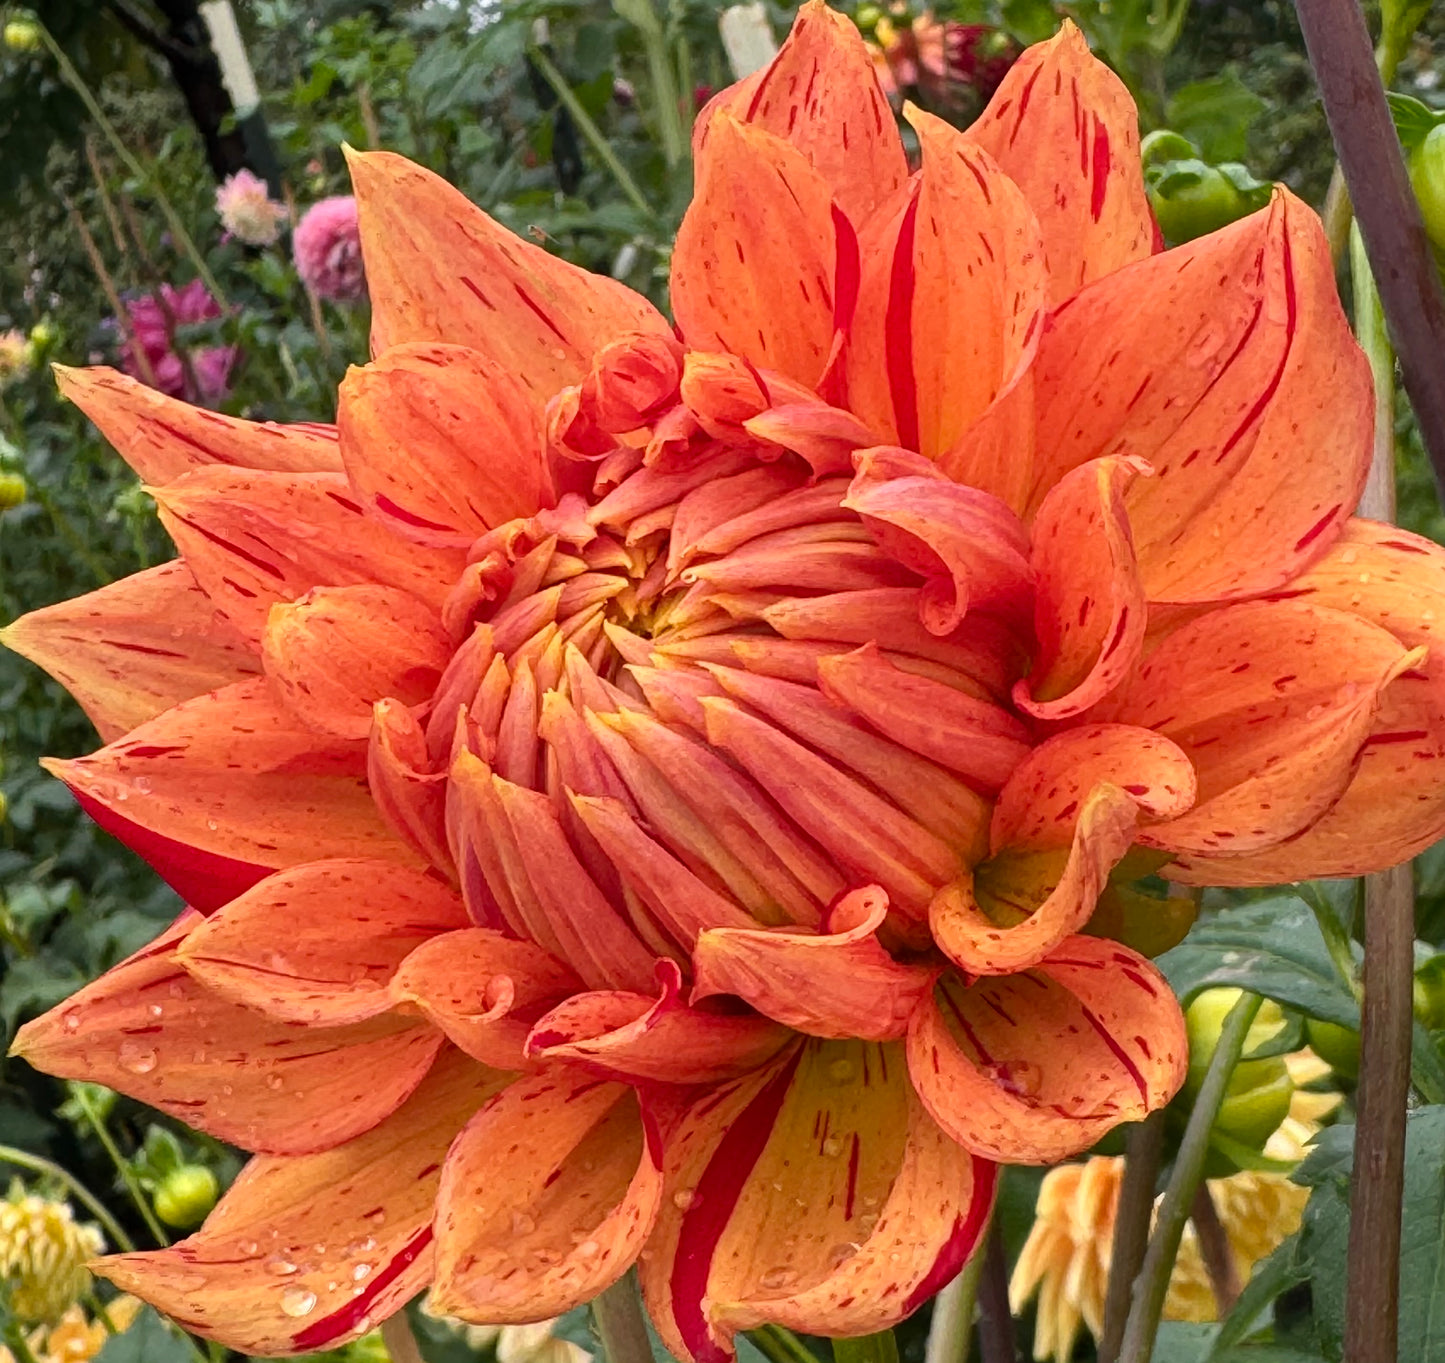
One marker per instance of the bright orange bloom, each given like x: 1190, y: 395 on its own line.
x: 643, y: 792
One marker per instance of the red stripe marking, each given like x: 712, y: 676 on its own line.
x: 967, y: 1230
x: 347, y: 1320
x: 898, y: 331
x: 1102, y: 162
x: 1120, y: 1054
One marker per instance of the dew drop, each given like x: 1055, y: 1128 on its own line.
x: 377, y: 1218
x: 275, y: 1082
x: 142, y: 785
x: 156, y: 1010
x: 777, y: 1278
x: 136, y: 1058
x: 363, y: 1324
x: 683, y: 1198
x: 832, y: 1147
x: 71, y: 1020
x: 212, y: 825
x: 840, y: 1254
x: 248, y: 1247
x: 280, y: 1266
x: 522, y: 1224
x: 840, y: 1071
x: 588, y: 1249
x: 360, y: 1271
x: 298, y: 1301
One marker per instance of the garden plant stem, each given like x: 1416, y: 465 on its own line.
x: 1143, y: 1154
x: 401, y: 1345
x: 780, y: 1345
x: 1215, y: 1250
x: 995, y: 1321
x: 617, y: 1312
x: 881, y: 1347
x: 38, y: 1165
x: 950, y: 1334
x: 122, y: 1165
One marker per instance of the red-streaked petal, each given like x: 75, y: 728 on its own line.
x: 820, y: 92
x: 1065, y: 130
x: 816, y: 1194
x: 546, y: 1198
x: 1034, y: 1067
x: 1227, y: 360
x: 1089, y: 609
x: 134, y: 648
x: 442, y: 442
x: 162, y: 437
x: 840, y: 983
x: 408, y: 794
x: 345, y: 1234
x: 319, y: 944
x: 149, y: 1030
x: 439, y: 269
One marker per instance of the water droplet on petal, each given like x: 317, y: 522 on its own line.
x: 136, y: 1058
x: 683, y: 1198
x: 360, y: 1271
x: 212, y: 825
x: 777, y: 1278
x: 522, y: 1224
x: 832, y: 1147
x: 298, y: 1301
x: 840, y: 1071
x: 248, y: 1247
x: 275, y: 1082
x: 281, y: 1267
x: 840, y: 1254
x: 588, y: 1249
x: 70, y: 1020
x: 156, y: 1010
x: 142, y: 784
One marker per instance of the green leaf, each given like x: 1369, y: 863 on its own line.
x: 1413, y: 119
x: 1282, y: 1270
x: 1215, y: 115
x: 149, y: 1340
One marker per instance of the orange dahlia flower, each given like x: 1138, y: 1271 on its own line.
x: 643, y: 791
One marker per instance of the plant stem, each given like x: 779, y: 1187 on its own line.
x: 401, y: 1345
x: 1335, y: 933
x: 950, y: 1335
x: 38, y: 1164
x: 1152, y: 1284
x: 122, y: 1165
x: 617, y: 1313
x: 1214, y: 1249
x: 1143, y: 1154
x: 780, y: 1345
x: 589, y: 129
x: 995, y: 1321
x: 18, y: 1345
x: 1389, y: 217
x: 881, y: 1347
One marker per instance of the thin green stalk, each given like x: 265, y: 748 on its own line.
x: 122, y: 1165
x: 1335, y: 933
x: 1152, y: 1284
x: 781, y: 1345
x: 146, y: 176
x: 642, y: 15
x: 876, y: 1348
x: 18, y: 1345
x: 400, y: 1342
x: 37, y: 1164
x: 72, y: 536
x: 1378, y: 501
x: 950, y: 1336
x: 589, y: 129
x: 617, y: 1314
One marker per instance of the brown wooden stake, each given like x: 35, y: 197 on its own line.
x: 995, y: 1321
x: 1215, y: 1250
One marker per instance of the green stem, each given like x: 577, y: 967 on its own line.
x: 877, y: 1348
x: 18, y: 1345
x: 950, y: 1336
x: 1335, y: 933
x: 780, y: 1345
x: 1152, y: 1285
x: 401, y: 1345
x: 72, y: 536
x: 122, y: 1165
x: 589, y: 129
x: 39, y: 1165
x: 617, y: 1313
x: 145, y: 175
x: 1378, y: 500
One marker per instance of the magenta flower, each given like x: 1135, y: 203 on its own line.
x: 327, y: 248
x: 153, y: 319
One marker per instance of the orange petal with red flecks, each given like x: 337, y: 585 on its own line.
x: 307, y: 1252
x: 951, y: 297
x: 1036, y: 1066
x: 409, y: 795
x: 638, y: 1038
x: 838, y: 983
x: 135, y: 648
x: 1064, y: 129
x: 318, y: 944
x: 162, y: 437
x: 815, y: 1193
x: 232, y: 775
x: 546, y: 1198
x: 1272, y: 701
x: 757, y: 265
x: 483, y: 989
x: 149, y: 1030
x: 1395, y: 800
x: 253, y: 539
x: 333, y: 653
x: 439, y: 269
x: 1089, y: 608
x: 1228, y: 364
x: 441, y: 442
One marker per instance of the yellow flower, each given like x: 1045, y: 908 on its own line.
x: 43, y: 1252
x: 76, y: 1337
x: 14, y: 354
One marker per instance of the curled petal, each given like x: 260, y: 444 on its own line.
x: 149, y: 1030
x: 307, y: 1252
x: 815, y: 1193
x: 632, y: 1037
x: 1036, y: 1066
x: 546, y: 1197
x: 135, y: 648
x: 840, y: 983
x: 1065, y: 130
x: 319, y: 944
x: 162, y: 437
x: 408, y: 795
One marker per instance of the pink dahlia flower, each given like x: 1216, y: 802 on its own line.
x: 327, y: 247
x: 152, y: 334
x: 247, y: 211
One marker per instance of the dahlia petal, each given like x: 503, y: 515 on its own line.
x: 1394, y: 806
x: 1089, y: 608
x: 1273, y: 702
x: 439, y: 269
x: 839, y: 983
x: 721, y: 501
x: 824, y: 436
x: 1065, y: 130
x: 815, y: 1193
x: 441, y: 443
x: 232, y: 775
x: 162, y: 437
x: 760, y: 229
x: 134, y: 648
x: 408, y: 794
x: 546, y: 1198
x: 253, y: 539
x: 982, y: 742
x: 318, y: 944
x: 951, y: 297
x: 345, y: 1232
x: 484, y: 990
x: 638, y: 1038
x: 1228, y: 356
x: 1036, y: 1066
x: 333, y: 653
x: 840, y: 120
x: 149, y: 1030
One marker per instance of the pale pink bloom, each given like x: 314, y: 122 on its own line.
x: 327, y: 248
x: 246, y: 210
